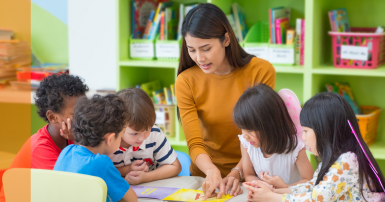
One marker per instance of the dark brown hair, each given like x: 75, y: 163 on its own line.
x: 96, y: 117
x: 262, y: 110
x: 328, y: 114
x: 207, y: 21
x: 141, y: 112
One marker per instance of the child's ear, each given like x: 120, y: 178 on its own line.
x: 52, y: 117
x: 109, y: 138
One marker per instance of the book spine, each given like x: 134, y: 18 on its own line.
x: 173, y: 93
x: 271, y: 27
x: 302, y: 57
x: 278, y: 31
x: 181, y: 17
x: 162, y: 26
x: 133, y: 19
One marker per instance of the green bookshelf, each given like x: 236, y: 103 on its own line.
x: 305, y: 81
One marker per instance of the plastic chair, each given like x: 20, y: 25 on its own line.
x: 1, y: 177
x: 185, y: 161
x: 35, y: 185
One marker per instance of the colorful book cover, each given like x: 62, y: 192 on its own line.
x: 290, y: 36
x: 281, y: 25
x: 302, y: 53
x: 162, y: 25
x: 156, y: 24
x: 149, y: 24
x: 332, y: 21
x: 153, y: 192
x: 142, y: 10
x: 240, y: 21
x: 341, y: 20
x: 172, y: 87
x: 193, y: 195
x: 231, y: 20
x: 168, y: 96
x: 151, y: 86
x: 276, y: 13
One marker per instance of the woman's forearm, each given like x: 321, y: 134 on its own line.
x: 204, y: 163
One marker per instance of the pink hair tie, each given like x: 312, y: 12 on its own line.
x: 370, y: 162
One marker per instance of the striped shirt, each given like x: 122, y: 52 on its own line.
x: 155, y: 150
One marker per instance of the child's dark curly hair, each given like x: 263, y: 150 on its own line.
x: 96, y: 117
x: 54, y: 89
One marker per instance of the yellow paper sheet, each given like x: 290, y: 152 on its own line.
x: 192, y: 195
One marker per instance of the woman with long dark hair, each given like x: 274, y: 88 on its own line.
x: 213, y: 73
x: 348, y: 171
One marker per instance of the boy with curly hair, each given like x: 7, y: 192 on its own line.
x: 55, y: 100
x: 98, y: 126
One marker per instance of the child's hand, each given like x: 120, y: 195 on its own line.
x: 258, y: 192
x: 139, y: 165
x: 65, y: 130
x: 136, y: 177
x: 276, y: 181
x: 254, y: 184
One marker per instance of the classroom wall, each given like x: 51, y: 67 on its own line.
x: 92, y: 42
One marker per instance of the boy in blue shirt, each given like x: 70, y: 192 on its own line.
x: 98, y: 125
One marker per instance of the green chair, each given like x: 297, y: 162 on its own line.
x: 36, y: 185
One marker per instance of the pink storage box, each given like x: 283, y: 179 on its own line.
x: 363, y: 37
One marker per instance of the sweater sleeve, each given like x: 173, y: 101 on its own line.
x: 266, y: 75
x: 189, y: 116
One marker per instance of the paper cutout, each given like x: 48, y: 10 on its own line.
x: 192, y: 195
x: 153, y: 192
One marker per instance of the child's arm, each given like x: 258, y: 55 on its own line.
x: 248, y: 169
x: 138, y: 165
x: 130, y: 196
x: 304, y: 167
x: 165, y: 171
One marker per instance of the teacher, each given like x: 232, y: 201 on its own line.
x: 213, y: 73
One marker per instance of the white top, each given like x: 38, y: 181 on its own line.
x: 155, y: 150
x: 282, y: 165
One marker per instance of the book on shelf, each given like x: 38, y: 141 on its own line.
x: 231, y: 20
x: 183, y: 9
x: 339, y: 20
x: 149, y: 24
x: 156, y: 23
x: 290, y: 36
x: 141, y: 10
x: 274, y: 14
x: 281, y: 25
x: 302, y: 50
x: 171, y: 23
x: 162, y: 26
x: 240, y: 21
x: 6, y: 34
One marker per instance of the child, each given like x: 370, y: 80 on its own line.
x: 269, y: 145
x: 55, y: 100
x: 345, y: 172
x: 144, y: 154
x: 98, y: 126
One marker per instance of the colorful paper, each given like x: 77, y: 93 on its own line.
x: 192, y: 195
x: 153, y: 192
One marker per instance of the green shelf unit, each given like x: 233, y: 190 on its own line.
x: 306, y: 80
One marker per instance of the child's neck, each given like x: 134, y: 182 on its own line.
x: 266, y: 155
x: 54, y: 132
x: 124, y: 144
x: 96, y: 150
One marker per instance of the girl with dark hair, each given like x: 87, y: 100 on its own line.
x: 270, y: 149
x: 213, y: 72
x: 348, y: 171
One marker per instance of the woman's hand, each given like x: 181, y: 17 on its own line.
x: 260, y: 192
x: 212, y: 181
x: 65, y: 130
x: 276, y: 181
x: 232, y: 182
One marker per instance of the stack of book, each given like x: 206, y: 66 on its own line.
x: 159, y: 95
x: 237, y: 21
x: 13, y: 54
x: 30, y: 77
